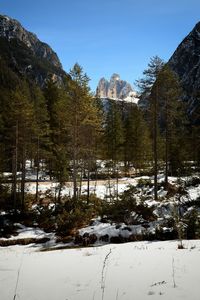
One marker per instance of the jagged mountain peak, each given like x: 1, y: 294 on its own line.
x: 115, y: 88
x: 115, y: 76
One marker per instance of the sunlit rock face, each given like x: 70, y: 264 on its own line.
x: 113, y: 89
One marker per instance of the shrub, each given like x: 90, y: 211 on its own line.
x: 127, y: 209
x: 66, y: 217
x: 194, y: 181
x: 192, y: 219
x: 144, y: 182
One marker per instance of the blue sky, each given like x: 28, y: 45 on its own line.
x: 107, y: 36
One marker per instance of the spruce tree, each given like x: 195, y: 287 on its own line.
x: 172, y: 121
x: 137, y: 144
x: 84, y: 123
x: 57, y: 106
x: 149, y: 95
x: 19, y: 127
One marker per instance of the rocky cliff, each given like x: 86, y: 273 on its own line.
x: 25, y: 53
x: 114, y: 89
x: 186, y: 63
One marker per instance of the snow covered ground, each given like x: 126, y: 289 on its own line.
x: 138, y: 270
x: 24, y: 232
x: 100, y: 187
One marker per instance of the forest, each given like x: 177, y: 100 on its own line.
x: 64, y: 132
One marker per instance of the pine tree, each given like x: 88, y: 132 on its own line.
x: 57, y: 106
x: 114, y: 132
x: 149, y: 95
x: 137, y: 144
x: 41, y: 139
x: 114, y: 140
x: 84, y: 123
x: 19, y: 126
x: 172, y: 120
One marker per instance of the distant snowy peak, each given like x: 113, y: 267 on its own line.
x: 116, y: 89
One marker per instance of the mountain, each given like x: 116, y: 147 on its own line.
x: 26, y: 54
x: 185, y: 62
x: 116, y: 89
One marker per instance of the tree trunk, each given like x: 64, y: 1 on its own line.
x: 88, y: 185
x: 80, y: 183
x: 155, y: 149
x: 38, y: 169
x: 59, y: 192
x: 117, y: 180
x: 166, y: 143
x: 74, y: 179
x: 23, y: 177
x: 75, y: 149
x: 15, y: 162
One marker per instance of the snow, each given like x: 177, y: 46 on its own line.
x: 100, y: 188
x: 139, y: 270
x: 194, y: 192
x: 28, y: 232
x: 7, y: 18
x: 113, y: 230
x: 132, y: 98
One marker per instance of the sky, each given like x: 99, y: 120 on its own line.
x: 107, y: 36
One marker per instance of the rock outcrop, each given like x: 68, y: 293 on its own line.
x: 25, y: 53
x: 114, y: 89
x: 185, y: 62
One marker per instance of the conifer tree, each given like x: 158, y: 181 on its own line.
x: 19, y: 127
x: 137, y: 144
x: 83, y: 122
x: 57, y: 106
x: 114, y: 132
x: 172, y: 120
x: 41, y: 139
x: 149, y: 95
x: 114, y: 140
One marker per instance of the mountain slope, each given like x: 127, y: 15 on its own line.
x: 185, y: 62
x: 26, y: 54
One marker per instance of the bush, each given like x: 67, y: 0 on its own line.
x: 144, y: 182
x: 66, y: 217
x: 127, y: 209
x: 5, y: 199
x: 194, y: 181
x: 192, y: 219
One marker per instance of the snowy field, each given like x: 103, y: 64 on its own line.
x: 138, y: 270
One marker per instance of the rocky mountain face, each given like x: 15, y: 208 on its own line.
x: 114, y: 89
x: 185, y: 62
x: 25, y: 53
